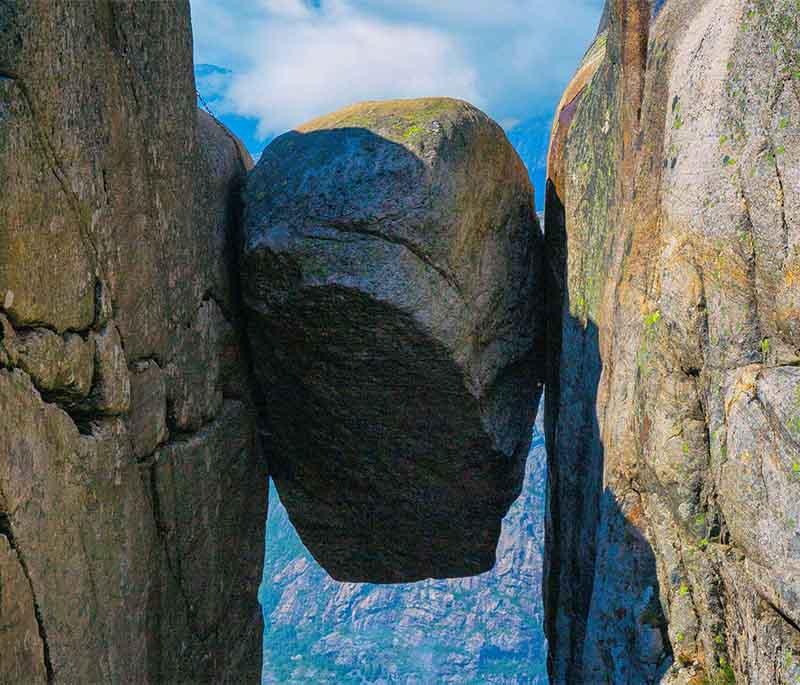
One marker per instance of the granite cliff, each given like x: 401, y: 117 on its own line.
x: 673, y: 543
x: 129, y: 464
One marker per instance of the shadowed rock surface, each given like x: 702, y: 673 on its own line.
x: 128, y: 455
x: 673, y: 418
x: 392, y: 272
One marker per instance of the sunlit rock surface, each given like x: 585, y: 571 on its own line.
x: 673, y: 225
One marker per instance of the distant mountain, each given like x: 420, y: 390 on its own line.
x: 486, y: 629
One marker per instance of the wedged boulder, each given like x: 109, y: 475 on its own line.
x: 391, y: 268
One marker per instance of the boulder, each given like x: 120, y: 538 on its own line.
x: 391, y: 271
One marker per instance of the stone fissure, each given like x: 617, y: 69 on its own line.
x: 50, y: 155
x: 97, y: 600
x: 7, y: 531
x: 782, y: 205
x: 172, y: 560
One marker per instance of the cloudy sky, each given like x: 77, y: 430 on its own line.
x: 282, y: 62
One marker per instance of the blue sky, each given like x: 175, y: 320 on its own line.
x: 279, y: 63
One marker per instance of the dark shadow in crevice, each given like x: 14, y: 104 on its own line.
x: 601, y: 592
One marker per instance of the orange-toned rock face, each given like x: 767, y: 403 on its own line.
x: 671, y: 232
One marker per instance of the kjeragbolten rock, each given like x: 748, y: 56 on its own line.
x: 392, y: 272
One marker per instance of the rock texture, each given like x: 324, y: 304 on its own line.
x: 128, y: 454
x: 673, y: 543
x: 485, y: 629
x: 391, y: 268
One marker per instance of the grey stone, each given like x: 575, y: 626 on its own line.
x: 60, y: 366
x: 111, y: 393
x: 392, y: 271
x: 148, y: 410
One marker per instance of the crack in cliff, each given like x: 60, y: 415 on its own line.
x: 57, y: 168
x: 783, y: 434
x: 119, y: 44
x: 782, y: 614
x: 782, y: 203
x: 753, y: 270
x: 162, y: 530
x: 6, y: 529
x: 95, y: 595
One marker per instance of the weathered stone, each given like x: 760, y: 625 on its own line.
x: 76, y: 507
x: 198, y: 517
x: 193, y: 379
x: 38, y: 284
x: 392, y: 272
x: 23, y: 653
x: 148, y: 410
x: 8, y: 348
x: 118, y: 222
x: 61, y: 367
x: 672, y: 236
x: 111, y: 393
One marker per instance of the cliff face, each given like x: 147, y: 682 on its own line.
x: 128, y: 460
x: 673, y: 543
x: 485, y: 629
x: 392, y: 275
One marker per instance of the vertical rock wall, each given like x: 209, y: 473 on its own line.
x: 673, y: 537
x: 132, y: 492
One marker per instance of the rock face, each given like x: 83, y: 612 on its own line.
x: 673, y: 225
x: 128, y: 455
x: 391, y: 269
x: 485, y: 629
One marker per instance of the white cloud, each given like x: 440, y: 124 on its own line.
x: 293, y: 60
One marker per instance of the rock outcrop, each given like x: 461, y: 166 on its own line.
x: 391, y: 269
x: 129, y: 469
x: 673, y: 418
